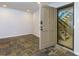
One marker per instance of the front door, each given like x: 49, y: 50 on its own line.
x: 48, y: 27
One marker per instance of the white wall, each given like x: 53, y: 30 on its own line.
x: 76, y: 28
x: 14, y: 22
x: 36, y: 23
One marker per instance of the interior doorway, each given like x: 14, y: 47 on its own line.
x: 65, y: 26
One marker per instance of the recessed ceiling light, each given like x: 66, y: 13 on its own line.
x: 4, y: 5
x: 28, y: 10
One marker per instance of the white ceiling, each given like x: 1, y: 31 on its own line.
x: 23, y: 6
x: 32, y: 6
x: 55, y: 4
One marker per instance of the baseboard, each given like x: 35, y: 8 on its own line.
x: 18, y: 36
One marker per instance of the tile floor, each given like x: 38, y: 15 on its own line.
x: 28, y: 45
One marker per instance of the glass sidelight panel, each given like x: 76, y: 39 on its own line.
x: 65, y: 26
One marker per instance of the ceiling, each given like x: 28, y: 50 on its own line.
x: 32, y: 6
x: 23, y: 6
x: 55, y: 4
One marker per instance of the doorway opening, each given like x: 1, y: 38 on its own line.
x: 65, y: 26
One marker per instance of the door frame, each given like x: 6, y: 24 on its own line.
x: 62, y: 7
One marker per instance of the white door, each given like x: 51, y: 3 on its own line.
x: 48, y: 27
